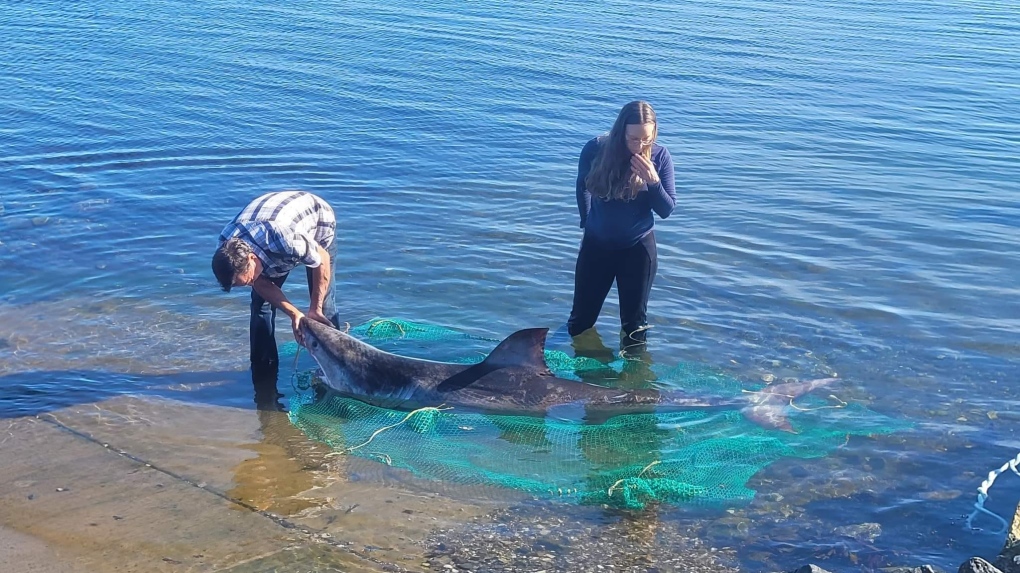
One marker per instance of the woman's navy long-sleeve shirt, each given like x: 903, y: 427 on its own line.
x: 621, y: 224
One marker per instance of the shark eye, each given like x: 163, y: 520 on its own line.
x: 315, y: 344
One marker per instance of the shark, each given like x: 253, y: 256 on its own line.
x: 512, y: 379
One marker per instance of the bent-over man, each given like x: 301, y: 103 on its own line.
x: 269, y: 238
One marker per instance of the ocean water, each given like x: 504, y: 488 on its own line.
x: 847, y: 175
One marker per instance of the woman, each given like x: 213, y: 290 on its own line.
x: 622, y: 177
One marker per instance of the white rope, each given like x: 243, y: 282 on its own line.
x: 637, y: 343
x: 979, y: 505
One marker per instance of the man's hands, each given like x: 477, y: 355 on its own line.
x: 295, y: 324
x: 274, y: 296
x: 316, y: 314
x: 318, y: 287
x: 312, y: 314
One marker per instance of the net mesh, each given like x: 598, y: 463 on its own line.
x: 692, y: 456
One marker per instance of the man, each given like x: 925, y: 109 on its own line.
x: 269, y: 238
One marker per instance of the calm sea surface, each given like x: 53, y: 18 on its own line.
x: 848, y: 181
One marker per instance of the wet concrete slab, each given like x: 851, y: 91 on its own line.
x: 100, y: 511
x: 159, y: 485
x: 28, y: 554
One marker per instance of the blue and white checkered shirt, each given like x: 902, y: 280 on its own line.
x: 282, y: 229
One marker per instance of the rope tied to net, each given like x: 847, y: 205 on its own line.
x: 295, y: 377
x: 641, y: 473
x: 409, y: 415
x: 841, y: 404
x: 979, y: 505
x: 387, y: 321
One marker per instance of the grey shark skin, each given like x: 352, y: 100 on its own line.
x: 513, y: 379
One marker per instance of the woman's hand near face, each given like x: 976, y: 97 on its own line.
x: 644, y: 169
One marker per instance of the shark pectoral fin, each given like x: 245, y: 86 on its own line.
x: 464, y: 378
x: 524, y: 348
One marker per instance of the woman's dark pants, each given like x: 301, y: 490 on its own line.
x: 632, y: 268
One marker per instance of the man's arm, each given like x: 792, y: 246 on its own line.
x: 319, y: 285
x: 275, y: 297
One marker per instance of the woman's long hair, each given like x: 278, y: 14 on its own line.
x: 610, y: 176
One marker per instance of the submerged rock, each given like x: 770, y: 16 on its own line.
x: 1009, y: 558
x: 941, y: 495
x: 978, y: 565
x: 861, y: 532
x: 810, y: 569
x: 1013, y: 540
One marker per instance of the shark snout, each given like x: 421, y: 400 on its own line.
x: 312, y: 332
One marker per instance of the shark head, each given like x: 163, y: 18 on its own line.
x: 340, y: 356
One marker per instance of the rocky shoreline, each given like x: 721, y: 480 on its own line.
x: 541, y: 539
x: 1008, y: 560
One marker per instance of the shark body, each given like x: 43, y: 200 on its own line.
x: 512, y: 379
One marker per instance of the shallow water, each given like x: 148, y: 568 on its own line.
x: 848, y: 204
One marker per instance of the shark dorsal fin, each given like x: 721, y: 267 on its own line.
x: 524, y: 348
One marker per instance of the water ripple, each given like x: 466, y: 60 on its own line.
x: 846, y: 175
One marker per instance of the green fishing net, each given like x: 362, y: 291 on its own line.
x: 692, y: 456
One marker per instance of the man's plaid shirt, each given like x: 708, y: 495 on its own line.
x: 282, y: 229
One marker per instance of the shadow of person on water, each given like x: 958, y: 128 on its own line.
x: 35, y: 392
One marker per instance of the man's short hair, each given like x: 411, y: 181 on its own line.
x: 230, y: 260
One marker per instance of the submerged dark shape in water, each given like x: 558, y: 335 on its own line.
x: 513, y: 379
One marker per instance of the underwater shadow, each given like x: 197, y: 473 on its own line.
x: 37, y: 392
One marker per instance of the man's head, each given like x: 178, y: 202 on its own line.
x: 234, y: 264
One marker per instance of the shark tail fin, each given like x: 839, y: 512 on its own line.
x: 767, y: 408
